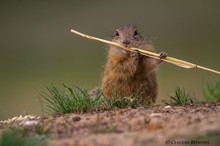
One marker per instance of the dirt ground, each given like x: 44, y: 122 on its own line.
x: 153, y: 126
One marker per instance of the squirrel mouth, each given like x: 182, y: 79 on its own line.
x: 127, y: 46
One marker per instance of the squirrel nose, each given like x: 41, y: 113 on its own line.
x: 126, y: 42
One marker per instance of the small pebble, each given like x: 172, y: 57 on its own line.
x: 168, y: 106
x: 76, y: 118
x: 156, y: 115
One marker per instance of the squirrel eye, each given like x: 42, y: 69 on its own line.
x: 136, y: 33
x: 116, y: 33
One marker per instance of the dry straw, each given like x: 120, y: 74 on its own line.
x: 168, y: 59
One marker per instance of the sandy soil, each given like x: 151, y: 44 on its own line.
x: 143, y: 126
x: 157, y: 125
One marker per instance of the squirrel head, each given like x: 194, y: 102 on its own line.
x: 127, y: 35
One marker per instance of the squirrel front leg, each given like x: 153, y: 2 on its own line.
x: 127, y: 67
x: 152, y: 63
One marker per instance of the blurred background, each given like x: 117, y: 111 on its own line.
x: 37, y: 48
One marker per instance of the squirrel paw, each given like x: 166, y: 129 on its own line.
x: 135, y: 54
x: 163, y: 55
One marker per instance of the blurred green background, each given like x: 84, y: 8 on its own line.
x: 37, y: 48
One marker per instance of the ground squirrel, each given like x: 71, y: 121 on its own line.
x: 129, y: 73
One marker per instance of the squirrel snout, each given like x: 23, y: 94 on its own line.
x: 126, y: 42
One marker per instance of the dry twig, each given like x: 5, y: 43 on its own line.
x: 168, y: 59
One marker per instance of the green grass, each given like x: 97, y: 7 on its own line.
x: 16, y: 137
x: 70, y: 99
x: 212, y: 91
x: 181, y: 97
x: 123, y: 102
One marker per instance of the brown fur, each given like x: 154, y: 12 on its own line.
x: 127, y: 74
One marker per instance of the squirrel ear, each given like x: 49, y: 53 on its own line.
x: 136, y: 33
x: 116, y: 33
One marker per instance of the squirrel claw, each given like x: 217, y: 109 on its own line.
x: 163, y: 55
